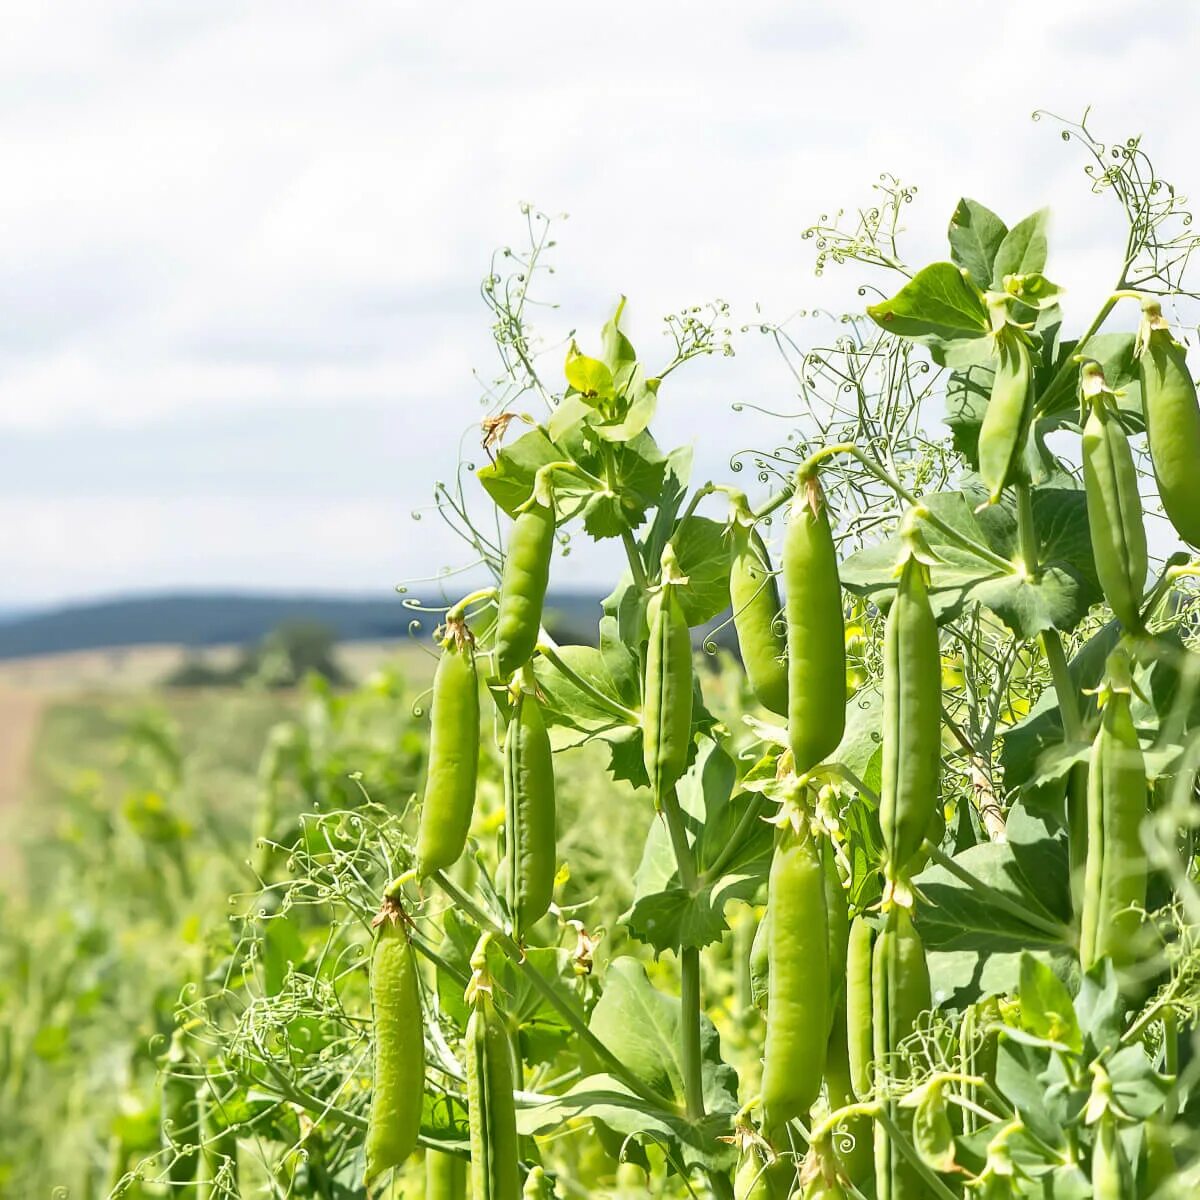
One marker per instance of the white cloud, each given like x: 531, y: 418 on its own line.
x: 213, y: 209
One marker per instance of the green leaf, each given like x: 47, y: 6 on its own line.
x: 665, y: 915
x: 937, y: 302
x: 1046, y: 1007
x: 975, y: 235
x: 588, y: 376
x: 1100, y: 1009
x: 1138, y: 1090
x: 602, y: 1098
x: 637, y: 470
x: 1023, y: 250
x: 974, y: 947
x: 618, y: 351
x: 509, y: 480
x: 703, y: 552
x: 1023, y: 1076
x: 641, y: 1027
x: 932, y: 1133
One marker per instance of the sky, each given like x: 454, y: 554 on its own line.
x: 241, y: 245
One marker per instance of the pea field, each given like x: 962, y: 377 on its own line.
x: 853, y: 857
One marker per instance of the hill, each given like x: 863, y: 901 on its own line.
x: 237, y: 619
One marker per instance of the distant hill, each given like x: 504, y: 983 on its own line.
x: 212, y: 620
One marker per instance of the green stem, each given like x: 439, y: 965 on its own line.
x: 635, y: 560
x: 1026, y: 531
x: 548, y: 650
x: 689, y: 997
x: 564, y: 1008
x: 689, y: 964
x: 1046, y: 925
x: 1064, y: 689
x: 456, y: 612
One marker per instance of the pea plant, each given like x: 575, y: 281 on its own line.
x: 958, y: 763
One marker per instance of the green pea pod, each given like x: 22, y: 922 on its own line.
x: 798, y: 985
x: 860, y: 1046
x: 838, y: 923
x: 760, y: 963
x: 756, y: 1180
x: 667, y: 691
x: 445, y: 1176
x: 754, y: 595
x: 1112, y: 1178
x: 912, y: 719
x: 529, y: 815
x: 537, y: 1186
x: 633, y: 1183
x: 1158, y: 1165
x: 1172, y: 422
x: 1115, y: 872
x: 491, y: 1109
x: 523, y: 586
x: 1113, y: 503
x: 453, y: 759
x: 399, y: 1047
x: 1006, y: 421
x: 901, y: 992
x: 816, y: 632
x: 852, y: 1144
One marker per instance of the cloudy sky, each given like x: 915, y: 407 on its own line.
x: 240, y: 244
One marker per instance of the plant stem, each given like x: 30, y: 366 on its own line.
x: 932, y: 1182
x: 564, y: 1008
x: 735, y: 840
x: 689, y: 998
x: 689, y: 964
x: 635, y: 560
x: 1026, y: 533
x: 1046, y: 925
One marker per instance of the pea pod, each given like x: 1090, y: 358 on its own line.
x: 816, y: 633
x: 758, y: 1180
x: 860, y: 1047
x: 798, y: 984
x: 491, y: 1109
x: 837, y: 922
x: 523, y: 585
x: 1113, y: 503
x: 453, y: 757
x: 398, y: 1047
x: 754, y: 595
x: 760, y: 965
x: 529, y: 815
x: 1005, y: 427
x: 1115, y: 872
x: 852, y: 1144
x: 1112, y: 1178
x: 667, y: 691
x: 1172, y: 422
x: 445, y: 1176
x: 901, y: 992
x: 912, y: 717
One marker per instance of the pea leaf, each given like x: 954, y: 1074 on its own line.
x: 509, y: 480
x: 932, y: 1134
x: 938, y: 302
x: 975, y: 235
x: 704, y: 555
x: 664, y: 914
x: 610, y: 669
x: 1046, y: 1007
x: 1024, y: 248
x: 974, y: 946
x: 588, y: 376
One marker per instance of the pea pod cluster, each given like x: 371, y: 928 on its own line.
x: 754, y: 594
x: 1172, y: 422
x: 912, y: 717
x: 398, y: 1046
x: 1113, y: 503
x: 449, y: 799
x: 799, y: 985
x: 816, y: 634
x: 491, y: 1109
x: 523, y: 584
x: 1005, y: 427
x: 667, y: 688
x: 529, y: 815
x: 1115, y: 872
